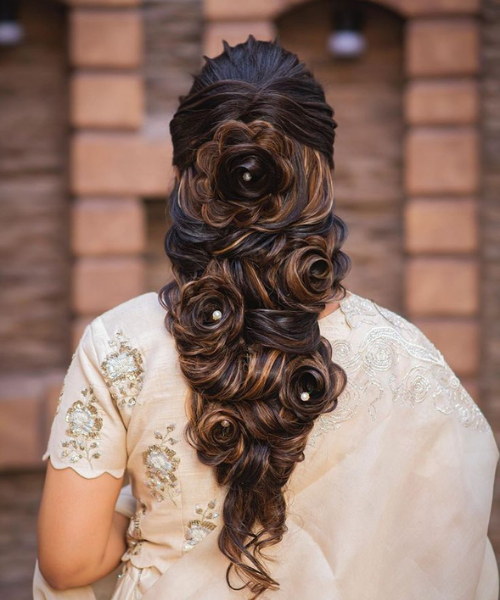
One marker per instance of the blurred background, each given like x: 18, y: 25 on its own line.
x: 87, y: 90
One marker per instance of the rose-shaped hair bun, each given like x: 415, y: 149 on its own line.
x: 222, y: 433
x: 305, y: 276
x: 197, y: 326
x: 240, y: 168
x: 316, y: 376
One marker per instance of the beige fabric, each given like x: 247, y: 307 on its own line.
x: 392, y: 500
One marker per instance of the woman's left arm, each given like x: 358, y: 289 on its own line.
x: 81, y: 538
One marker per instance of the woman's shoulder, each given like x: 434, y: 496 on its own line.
x: 390, y: 362
x: 137, y: 324
x: 375, y: 326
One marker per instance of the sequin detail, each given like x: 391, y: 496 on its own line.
x: 198, y: 529
x: 134, y: 534
x: 161, y: 463
x: 379, y: 344
x: 123, y: 371
x: 84, y: 425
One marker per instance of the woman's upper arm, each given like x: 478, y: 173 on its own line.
x: 74, y: 525
x: 88, y: 458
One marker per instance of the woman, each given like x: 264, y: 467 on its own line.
x: 284, y: 436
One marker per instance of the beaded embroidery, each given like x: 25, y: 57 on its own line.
x: 134, y: 533
x: 161, y: 463
x: 383, y: 348
x: 198, y: 529
x: 123, y: 371
x: 84, y: 425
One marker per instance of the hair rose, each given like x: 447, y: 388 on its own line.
x: 241, y: 169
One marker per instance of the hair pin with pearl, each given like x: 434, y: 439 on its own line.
x: 305, y: 396
x: 247, y: 176
x: 225, y: 423
x: 216, y: 315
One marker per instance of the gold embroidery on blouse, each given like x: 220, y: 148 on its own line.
x: 123, y: 371
x: 134, y: 533
x: 198, y: 529
x: 371, y: 362
x: 161, y: 463
x: 84, y: 425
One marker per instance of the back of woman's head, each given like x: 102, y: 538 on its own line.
x: 255, y: 252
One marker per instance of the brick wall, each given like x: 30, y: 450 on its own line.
x: 34, y: 262
x: 490, y: 229
x: 34, y: 269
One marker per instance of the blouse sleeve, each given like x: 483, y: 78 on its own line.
x: 87, y: 434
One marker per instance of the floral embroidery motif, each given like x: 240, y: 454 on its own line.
x: 198, y: 529
x: 84, y: 425
x: 134, y: 533
x: 161, y: 463
x: 374, y: 349
x: 123, y: 371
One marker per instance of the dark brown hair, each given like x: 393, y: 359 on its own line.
x: 255, y: 252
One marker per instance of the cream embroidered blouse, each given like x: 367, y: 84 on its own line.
x: 392, y: 500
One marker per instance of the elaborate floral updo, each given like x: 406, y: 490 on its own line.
x: 255, y: 251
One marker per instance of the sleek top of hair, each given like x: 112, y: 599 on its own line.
x: 255, y: 252
x: 250, y: 81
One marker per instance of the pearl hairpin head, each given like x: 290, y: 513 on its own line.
x: 247, y: 176
x: 304, y: 396
x: 225, y: 423
x: 217, y: 315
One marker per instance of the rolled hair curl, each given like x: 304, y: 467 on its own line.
x: 254, y: 242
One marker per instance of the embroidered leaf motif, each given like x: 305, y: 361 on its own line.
x: 198, y: 529
x: 161, y: 463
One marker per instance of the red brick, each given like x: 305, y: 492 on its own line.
x: 442, y: 287
x: 457, y: 339
x: 102, y: 283
x: 105, y: 38
x: 441, y: 226
x: 228, y: 10
x: 121, y: 165
x: 107, y: 101
x: 442, y: 47
x: 234, y: 33
x: 442, y: 161
x: 107, y: 226
x: 21, y: 410
x: 435, y: 7
x: 441, y: 102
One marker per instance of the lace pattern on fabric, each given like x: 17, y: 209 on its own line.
x: 381, y: 349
